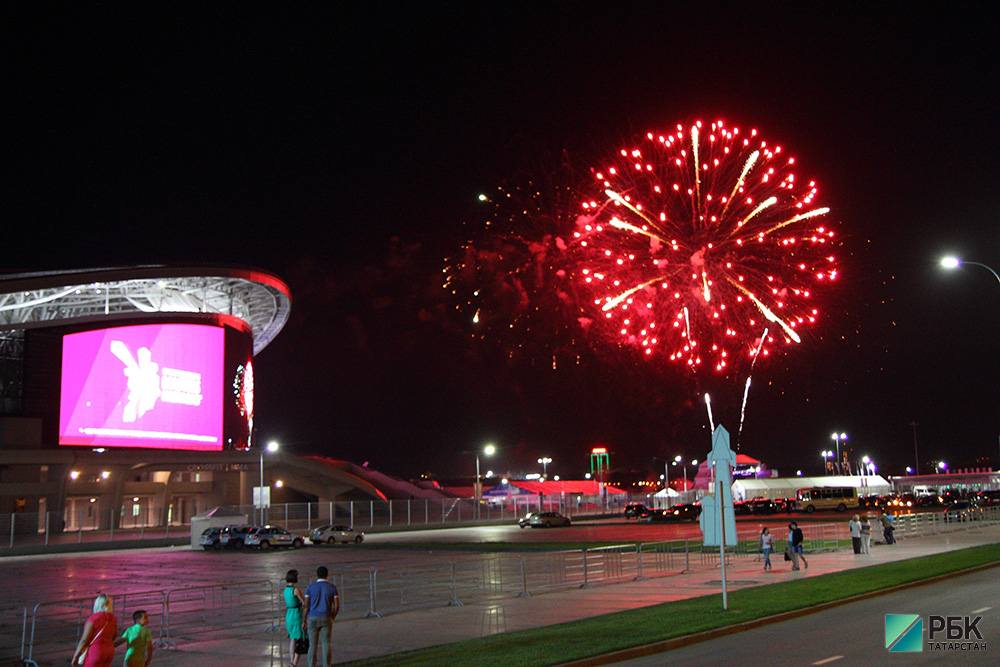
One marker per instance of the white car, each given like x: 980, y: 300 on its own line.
x: 266, y: 537
x: 334, y: 534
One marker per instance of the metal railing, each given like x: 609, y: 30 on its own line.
x: 50, y: 630
x: 47, y: 528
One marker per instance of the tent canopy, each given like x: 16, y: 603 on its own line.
x: 786, y: 487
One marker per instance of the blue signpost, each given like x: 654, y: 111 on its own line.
x: 718, y: 518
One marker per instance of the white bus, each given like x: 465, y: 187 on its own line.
x: 840, y: 498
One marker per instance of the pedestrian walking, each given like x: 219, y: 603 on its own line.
x: 323, y: 603
x: 138, y: 641
x: 888, y: 528
x: 766, y: 545
x: 854, y: 525
x: 295, y: 620
x: 866, y: 535
x: 100, y: 636
x: 796, y: 538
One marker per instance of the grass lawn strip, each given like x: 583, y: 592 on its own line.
x: 601, y: 635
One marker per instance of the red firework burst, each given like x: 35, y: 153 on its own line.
x: 704, y: 246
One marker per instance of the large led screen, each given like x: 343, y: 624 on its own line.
x: 155, y: 386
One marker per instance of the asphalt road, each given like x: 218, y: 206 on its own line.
x: 32, y: 579
x: 854, y: 634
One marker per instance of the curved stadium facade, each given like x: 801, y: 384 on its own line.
x: 131, y: 387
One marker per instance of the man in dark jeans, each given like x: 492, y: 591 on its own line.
x: 323, y: 603
x: 795, y: 538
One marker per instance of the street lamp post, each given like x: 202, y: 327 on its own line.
x: 488, y: 450
x: 869, y: 465
x: 826, y: 454
x: 838, y: 437
x: 955, y: 262
x: 678, y: 460
x: 545, y: 461
x: 271, y: 447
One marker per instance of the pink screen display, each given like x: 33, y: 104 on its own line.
x: 154, y: 386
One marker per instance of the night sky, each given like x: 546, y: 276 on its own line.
x: 344, y: 150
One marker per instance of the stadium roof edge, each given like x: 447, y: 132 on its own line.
x: 56, y: 298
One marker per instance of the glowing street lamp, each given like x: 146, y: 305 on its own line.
x: 488, y: 450
x: 271, y: 447
x: 827, y: 455
x: 545, y: 461
x: 838, y: 437
x: 955, y: 262
x: 678, y: 460
x: 869, y: 465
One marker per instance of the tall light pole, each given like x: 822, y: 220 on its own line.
x: 271, y: 447
x: 838, y: 437
x: 678, y: 460
x: 955, y: 262
x: 545, y: 461
x: 826, y: 454
x: 488, y: 450
x: 916, y: 458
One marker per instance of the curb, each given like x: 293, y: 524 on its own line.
x: 688, y: 640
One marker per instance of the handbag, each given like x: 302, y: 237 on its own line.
x: 83, y: 656
x: 788, y: 553
x: 302, y: 646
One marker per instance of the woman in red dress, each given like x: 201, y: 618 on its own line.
x: 100, y: 633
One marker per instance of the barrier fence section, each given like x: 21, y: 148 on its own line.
x: 116, y: 525
x: 198, y: 610
x: 49, y: 631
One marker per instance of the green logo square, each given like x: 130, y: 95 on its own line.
x: 904, y: 633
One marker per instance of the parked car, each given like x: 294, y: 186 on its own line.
x: 686, y: 512
x: 333, y: 534
x: 988, y: 498
x: 762, y: 506
x: 683, y: 512
x: 210, y: 539
x: 234, y: 536
x: 653, y: 516
x: 742, y: 507
x: 633, y: 510
x: 525, y: 520
x: 963, y: 510
x: 548, y: 520
x: 265, y: 537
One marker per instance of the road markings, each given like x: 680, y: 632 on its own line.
x: 979, y: 611
x: 830, y: 659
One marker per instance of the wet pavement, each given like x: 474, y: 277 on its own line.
x: 358, y: 637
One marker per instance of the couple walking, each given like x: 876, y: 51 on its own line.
x: 793, y: 552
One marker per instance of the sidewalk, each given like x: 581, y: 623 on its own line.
x: 366, y: 638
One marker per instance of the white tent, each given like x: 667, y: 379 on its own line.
x: 786, y: 487
x: 664, y: 498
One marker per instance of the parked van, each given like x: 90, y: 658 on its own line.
x: 840, y: 498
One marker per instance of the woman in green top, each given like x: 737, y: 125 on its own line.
x: 295, y: 621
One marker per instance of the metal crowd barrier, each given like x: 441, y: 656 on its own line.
x: 50, y: 630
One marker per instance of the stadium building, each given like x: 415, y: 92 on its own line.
x: 127, y: 398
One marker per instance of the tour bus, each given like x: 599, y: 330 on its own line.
x: 840, y: 498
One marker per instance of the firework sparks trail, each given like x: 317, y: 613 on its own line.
x: 699, y: 237
x: 708, y: 406
x: 746, y: 388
